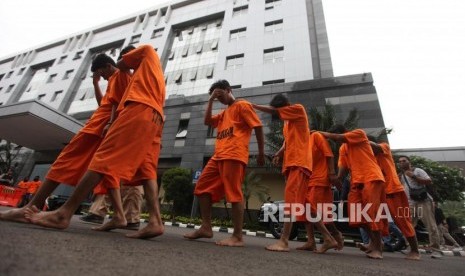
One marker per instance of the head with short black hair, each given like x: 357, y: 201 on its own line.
x: 219, y: 84
x: 279, y: 100
x: 126, y: 50
x: 338, y: 128
x: 36, y: 178
x: 372, y: 138
x: 101, y: 61
x: 404, y: 162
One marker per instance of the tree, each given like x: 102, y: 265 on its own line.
x: 177, y: 183
x: 455, y: 209
x: 252, y: 186
x: 448, y: 183
x: 8, y: 153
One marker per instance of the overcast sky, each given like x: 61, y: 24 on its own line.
x: 415, y: 50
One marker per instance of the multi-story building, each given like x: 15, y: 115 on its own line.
x: 262, y: 47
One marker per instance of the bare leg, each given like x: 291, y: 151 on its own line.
x: 414, y: 254
x: 205, y: 230
x: 155, y: 226
x: 310, y: 244
x: 61, y: 217
x: 336, y: 235
x: 376, y: 246
x: 328, y: 240
x: 118, y: 220
x: 283, y: 244
x: 238, y: 218
x: 17, y: 215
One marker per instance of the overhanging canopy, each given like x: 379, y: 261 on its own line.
x: 34, y: 125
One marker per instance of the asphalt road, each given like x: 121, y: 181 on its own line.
x: 31, y: 250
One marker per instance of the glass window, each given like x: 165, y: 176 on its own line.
x: 199, y: 48
x: 237, y: 34
x: 274, y: 26
x: 8, y: 90
x: 182, y: 129
x: 214, y: 44
x: 51, y: 78
x: 211, y: 132
x: 178, y: 78
x: 233, y: 62
x: 157, y: 33
x: 78, y: 55
x: 171, y: 56
x: 9, y: 74
x: 135, y: 39
x: 239, y: 11
x: 193, y: 75
x: 21, y: 71
x: 273, y: 55
x: 185, y: 51
x: 210, y: 72
x: 41, y: 97
x: 271, y: 4
x: 57, y: 96
x: 273, y: 82
x: 68, y: 74
x: 62, y: 59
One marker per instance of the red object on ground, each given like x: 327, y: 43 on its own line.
x: 10, y: 196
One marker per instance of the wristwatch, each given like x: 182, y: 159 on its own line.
x: 414, y: 177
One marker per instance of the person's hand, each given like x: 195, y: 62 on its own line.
x: 95, y: 78
x: 276, y: 160
x: 214, y: 95
x: 105, y: 129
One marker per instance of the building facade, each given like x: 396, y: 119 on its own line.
x: 262, y: 47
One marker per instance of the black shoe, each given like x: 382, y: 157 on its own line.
x: 132, y: 226
x: 400, y: 245
x: 92, y: 218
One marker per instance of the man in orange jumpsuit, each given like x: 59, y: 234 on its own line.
x: 319, y: 188
x: 396, y: 198
x: 225, y: 171
x: 75, y: 157
x: 367, y: 181
x: 297, y: 166
x: 138, y: 126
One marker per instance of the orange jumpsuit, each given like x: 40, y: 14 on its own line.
x: 74, y: 159
x: 367, y: 181
x: 396, y: 198
x: 130, y: 148
x: 225, y: 171
x: 319, y: 187
x: 297, y: 162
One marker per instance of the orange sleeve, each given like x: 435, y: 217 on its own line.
x: 133, y: 58
x: 355, y: 136
x: 216, y: 119
x: 295, y: 112
x: 323, y: 145
x: 249, y: 115
x: 118, y: 87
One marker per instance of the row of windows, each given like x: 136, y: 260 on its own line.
x: 208, y: 45
x: 56, y: 96
x: 270, y: 27
x: 9, y: 89
x: 272, y: 55
x: 52, y: 77
x: 192, y: 75
x: 243, y: 10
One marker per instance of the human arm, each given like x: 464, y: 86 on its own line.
x: 208, y: 112
x: 261, y: 145
x: 112, y: 119
x: 377, y: 149
x: 334, y: 136
x: 266, y: 109
x: 97, y: 91
x: 419, y: 175
x: 278, y: 156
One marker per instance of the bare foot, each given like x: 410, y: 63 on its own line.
x: 150, y: 231
x: 16, y: 215
x: 340, y: 241
x: 413, y: 256
x: 54, y: 219
x: 112, y: 224
x: 231, y: 241
x: 364, y: 248
x: 200, y: 233
x: 309, y: 246
x: 327, y: 244
x: 279, y: 246
x: 374, y: 254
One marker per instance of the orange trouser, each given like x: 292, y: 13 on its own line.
x: 399, y: 209
x: 222, y: 178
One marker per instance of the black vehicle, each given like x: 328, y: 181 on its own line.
x: 60, y: 195
x: 342, y: 222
